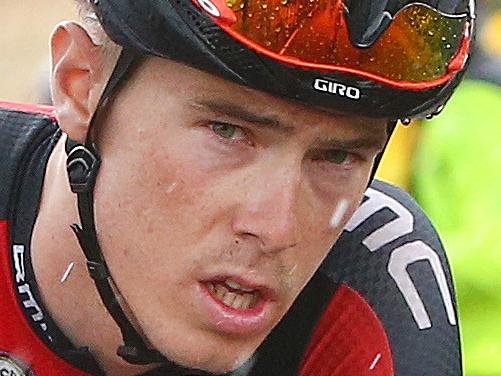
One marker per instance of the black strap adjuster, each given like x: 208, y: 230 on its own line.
x: 97, y: 270
x: 134, y: 355
x: 82, y: 166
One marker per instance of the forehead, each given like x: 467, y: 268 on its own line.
x: 211, y: 93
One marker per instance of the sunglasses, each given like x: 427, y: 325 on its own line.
x: 418, y: 48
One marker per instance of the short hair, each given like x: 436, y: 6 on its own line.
x: 91, y: 23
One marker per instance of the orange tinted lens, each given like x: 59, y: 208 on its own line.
x: 416, y: 47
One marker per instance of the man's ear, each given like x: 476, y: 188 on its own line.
x: 76, y: 82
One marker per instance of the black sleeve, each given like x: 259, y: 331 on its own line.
x: 392, y: 256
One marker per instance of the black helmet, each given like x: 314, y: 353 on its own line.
x: 387, y: 58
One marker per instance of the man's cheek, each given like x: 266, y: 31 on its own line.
x: 305, y: 264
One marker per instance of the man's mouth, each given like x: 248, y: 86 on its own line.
x: 233, y: 294
x: 237, y: 305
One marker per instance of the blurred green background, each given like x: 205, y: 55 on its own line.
x: 459, y: 160
x: 451, y: 164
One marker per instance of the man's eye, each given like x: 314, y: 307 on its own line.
x: 228, y: 131
x: 336, y: 156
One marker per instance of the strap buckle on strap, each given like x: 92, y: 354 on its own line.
x: 82, y: 166
x: 97, y: 270
x: 134, y: 355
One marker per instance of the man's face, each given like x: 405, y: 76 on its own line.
x: 215, y: 204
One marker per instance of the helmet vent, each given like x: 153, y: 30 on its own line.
x: 227, y: 49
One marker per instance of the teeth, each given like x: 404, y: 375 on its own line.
x: 233, y: 299
x: 229, y: 298
x: 239, y: 301
x: 237, y: 286
x: 253, y: 300
x: 220, y: 290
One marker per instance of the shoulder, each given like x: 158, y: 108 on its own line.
x: 27, y: 136
x: 28, y: 108
x: 23, y: 128
x: 382, y: 303
x: 388, y: 214
x: 388, y: 223
x: 393, y: 308
x: 387, y: 237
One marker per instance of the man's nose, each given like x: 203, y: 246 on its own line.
x: 268, y: 212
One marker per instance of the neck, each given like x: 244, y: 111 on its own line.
x: 73, y: 301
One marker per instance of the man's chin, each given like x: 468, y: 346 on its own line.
x: 215, y: 363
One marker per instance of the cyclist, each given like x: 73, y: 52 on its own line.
x: 210, y: 154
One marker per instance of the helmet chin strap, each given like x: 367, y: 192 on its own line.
x: 83, y: 165
x: 390, y: 127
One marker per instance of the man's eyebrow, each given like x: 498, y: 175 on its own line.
x: 362, y: 142
x: 238, y: 112
x: 371, y: 140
